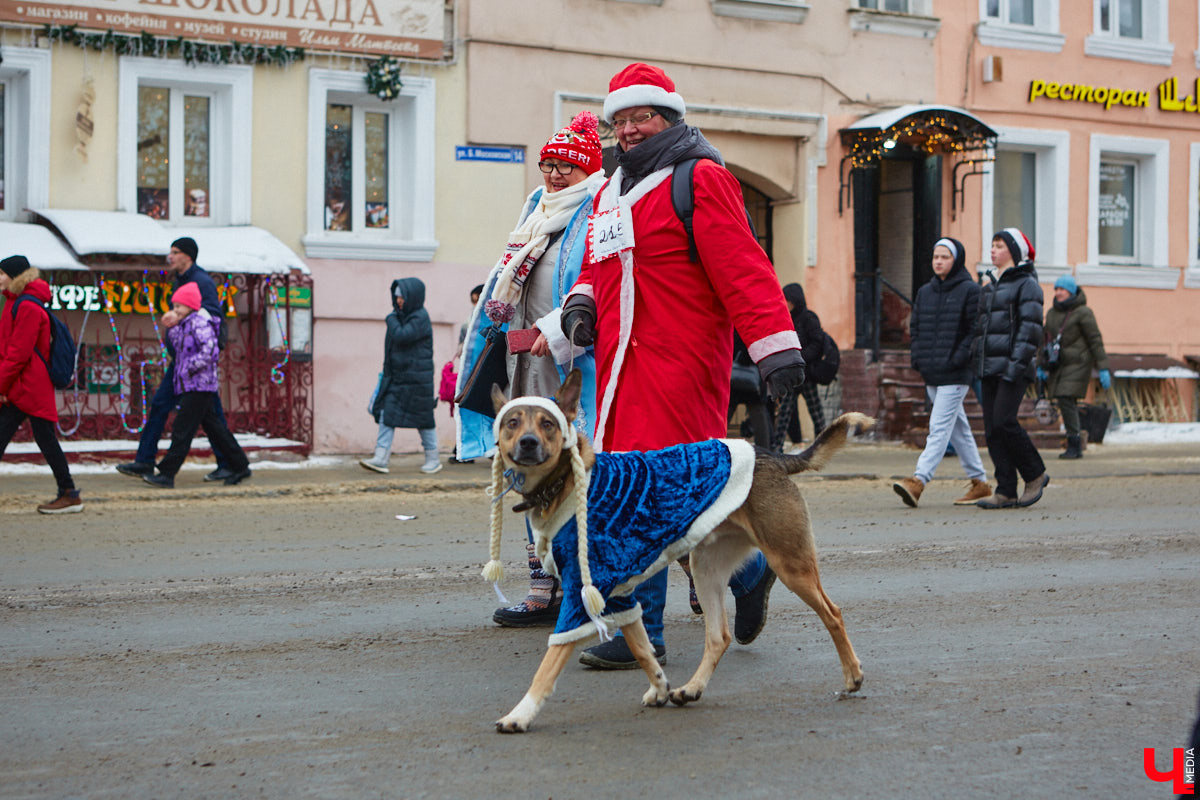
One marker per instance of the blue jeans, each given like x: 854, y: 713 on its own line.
x: 383, y: 440
x: 948, y: 424
x: 652, y: 594
x: 161, y: 405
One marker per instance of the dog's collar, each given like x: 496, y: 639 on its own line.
x: 547, y: 490
x: 570, y: 437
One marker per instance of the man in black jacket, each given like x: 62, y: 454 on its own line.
x: 1009, y: 330
x: 942, y: 331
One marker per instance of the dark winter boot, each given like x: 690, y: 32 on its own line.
x: 540, y: 606
x: 1074, y: 448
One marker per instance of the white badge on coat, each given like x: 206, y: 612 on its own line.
x: 609, y: 232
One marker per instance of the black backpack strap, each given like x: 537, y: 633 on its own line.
x: 683, y: 198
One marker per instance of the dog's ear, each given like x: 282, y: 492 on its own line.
x: 567, y: 395
x: 498, y: 398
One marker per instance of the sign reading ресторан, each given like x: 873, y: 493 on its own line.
x: 1109, y: 96
x: 399, y: 28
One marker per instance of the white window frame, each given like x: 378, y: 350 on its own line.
x: 1151, y: 209
x: 1153, y: 48
x: 764, y: 10
x: 26, y: 75
x: 1052, y: 171
x: 918, y: 21
x: 411, y: 188
x: 1043, y: 35
x: 1191, y: 277
x: 230, y: 88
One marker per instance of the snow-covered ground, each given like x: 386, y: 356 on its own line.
x: 1153, y: 433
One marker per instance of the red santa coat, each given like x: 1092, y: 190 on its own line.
x: 24, y: 379
x: 665, y: 381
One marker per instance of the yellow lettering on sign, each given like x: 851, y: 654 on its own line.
x: 1052, y: 90
x: 1036, y: 90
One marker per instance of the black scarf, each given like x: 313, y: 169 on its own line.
x: 677, y: 143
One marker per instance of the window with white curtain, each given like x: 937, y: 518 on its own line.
x: 1133, y: 30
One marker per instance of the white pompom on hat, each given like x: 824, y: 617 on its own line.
x: 641, y: 85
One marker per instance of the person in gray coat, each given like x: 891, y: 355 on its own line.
x: 405, y: 397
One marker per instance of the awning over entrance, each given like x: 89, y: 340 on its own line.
x: 43, y: 249
x: 932, y: 129
x: 241, y: 249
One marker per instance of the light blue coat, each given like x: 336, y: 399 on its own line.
x: 475, y: 437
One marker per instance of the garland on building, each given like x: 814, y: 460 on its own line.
x: 147, y: 44
x: 383, y: 78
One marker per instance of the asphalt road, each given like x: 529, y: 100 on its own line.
x: 295, y: 639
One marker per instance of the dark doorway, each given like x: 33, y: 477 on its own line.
x: 897, y: 218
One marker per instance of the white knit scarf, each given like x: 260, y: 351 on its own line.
x: 529, y: 241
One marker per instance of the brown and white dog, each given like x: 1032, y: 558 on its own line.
x: 534, y: 442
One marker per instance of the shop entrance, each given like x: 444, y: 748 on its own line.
x: 897, y: 159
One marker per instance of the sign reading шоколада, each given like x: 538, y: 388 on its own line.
x: 1168, y: 95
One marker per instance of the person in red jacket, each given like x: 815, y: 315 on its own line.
x: 25, y: 388
x: 663, y: 324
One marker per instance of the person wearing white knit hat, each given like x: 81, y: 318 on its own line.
x: 662, y: 323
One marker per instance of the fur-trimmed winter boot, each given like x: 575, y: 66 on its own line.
x: 379, y: 463
x: 540, y: 606
x: 1074, y: 448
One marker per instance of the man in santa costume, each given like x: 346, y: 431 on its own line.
x: 662, y: 324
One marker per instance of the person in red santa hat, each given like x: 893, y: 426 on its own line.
x: 1009, y: 331
x: 662, y: 324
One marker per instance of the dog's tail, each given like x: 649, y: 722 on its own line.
x: 828, y: 443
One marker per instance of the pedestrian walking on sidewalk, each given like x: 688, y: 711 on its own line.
x: 181, y: 263
x: 943, y: 332
x: 1073, y: 347
x: 405, y: 397
x: 25, y: 388
x: 193, y: 333
x: 1009, y: 333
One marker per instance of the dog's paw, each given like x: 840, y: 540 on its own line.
x: 681, y: 697
x: 656, y: 696
x: 510, y: 724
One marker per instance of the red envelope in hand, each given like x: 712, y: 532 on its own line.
x: 522, y: 339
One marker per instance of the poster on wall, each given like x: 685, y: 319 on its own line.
x: 1116, y: 204
x: 410, y: 29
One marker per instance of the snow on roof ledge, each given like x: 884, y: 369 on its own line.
x: 237, y: 248
x: 92, y: 232
x: 43, y: 249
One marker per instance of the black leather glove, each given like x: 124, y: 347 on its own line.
x: 782, y: 372
x: 579, y: 320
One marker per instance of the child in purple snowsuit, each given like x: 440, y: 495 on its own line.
x: 193, y: 333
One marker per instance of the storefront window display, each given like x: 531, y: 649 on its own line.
x: 339, y: 166
x: 164, y: 162
x: 1117, y: 211
x: 376, y: 132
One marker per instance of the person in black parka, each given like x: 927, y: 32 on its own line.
x: 1009, y: 332
x: 943, y: 329
x: 812, y: 346
x: 405, y: 398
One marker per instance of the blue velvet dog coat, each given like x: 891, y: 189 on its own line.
x: 645, y: 510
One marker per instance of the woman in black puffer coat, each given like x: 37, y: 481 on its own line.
x: 406, y: 398
x: 1008, y: 334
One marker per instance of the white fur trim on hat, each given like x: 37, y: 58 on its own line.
x: 547, y: 405
x: 641, y: 95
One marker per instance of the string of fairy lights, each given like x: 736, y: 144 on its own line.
x: 930, y: 133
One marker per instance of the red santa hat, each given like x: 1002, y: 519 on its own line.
x: 578, y: 143
x: 641, y: 85
x: 1018, y: 244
